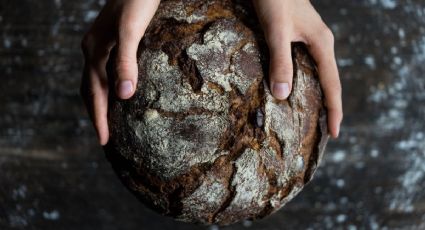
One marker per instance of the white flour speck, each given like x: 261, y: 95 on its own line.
x: 397, y: 60
x: 214, y: 227
x: 414, y: 175
x: 370, y: 61
x: 339, y: 156
x: 374, y: 153
x: 401, y: 33
x: 7, y: 43
x: 340, y: 183
x: 19, y: 192
x: 53, y: 215
x: 343, y: 62
x: 90, y: 15
x: 388, y: 4
x: 341, y: 218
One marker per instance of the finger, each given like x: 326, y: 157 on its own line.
x: 281, y: 69
x: 100, y: 108
x: 94, y: 87
x: 95, y: 93
x: 133, y: 23
x: 321, y: 47
x: 278, y: 37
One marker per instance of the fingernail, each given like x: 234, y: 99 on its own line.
x: 281, y: 90
x: 125, y: 88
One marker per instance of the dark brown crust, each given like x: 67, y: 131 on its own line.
x: 246, y: 116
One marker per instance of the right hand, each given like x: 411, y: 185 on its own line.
x: 120, y: 24
x: 286, y: 21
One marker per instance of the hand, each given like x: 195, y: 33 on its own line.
x: 286, y: 21
x: 121, y: 23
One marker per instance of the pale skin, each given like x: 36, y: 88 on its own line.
x: 283, y: 22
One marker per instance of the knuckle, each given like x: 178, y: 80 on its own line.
x: 129, y: 29
x: 326, y: 35
x: 337, y: 89
x: 336, y: 112
x: 123, y: 64
x: 337, y: 109
x: 274, y: 37
x: 123, y: 60
x: 286, y: 71
x: 282, y: 66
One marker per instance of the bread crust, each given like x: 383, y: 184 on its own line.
x: 203, y: 140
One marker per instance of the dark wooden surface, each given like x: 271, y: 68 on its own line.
x: 53, y: 175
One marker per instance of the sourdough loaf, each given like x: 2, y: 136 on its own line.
x: 203, y: 140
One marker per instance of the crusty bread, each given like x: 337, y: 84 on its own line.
x: 203, y: 140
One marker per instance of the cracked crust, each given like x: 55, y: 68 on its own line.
x: 203, y: 140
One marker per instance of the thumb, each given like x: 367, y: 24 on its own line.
x: 126, y: 67
x: 135, y: 19
x: 281, y: 69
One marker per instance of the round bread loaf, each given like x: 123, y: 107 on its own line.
x: 203, y: 140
